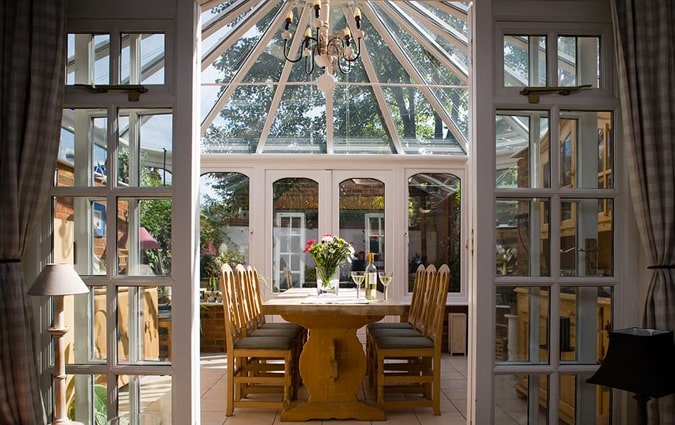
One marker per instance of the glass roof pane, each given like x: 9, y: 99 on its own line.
x: 426, y: 62
x: 410, y: 84
x: 357, y: 125
x: 242, y: 118
x: 299, y: 124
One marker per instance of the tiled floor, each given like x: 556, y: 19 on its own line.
x: 453, y: 403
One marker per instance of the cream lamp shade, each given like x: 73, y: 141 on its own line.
x: 58, y: 279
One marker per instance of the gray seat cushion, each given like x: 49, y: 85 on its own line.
x: 265, y: 342
x: 389, y: 325
x: 399, y: 332
x: 285, y: 332
x: 387, y: 342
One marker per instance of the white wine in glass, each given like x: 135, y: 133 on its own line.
x: 358, y: 278
x: 386, y: 278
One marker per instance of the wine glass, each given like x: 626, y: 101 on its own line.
x: 386, y: 278
x: 358, y: 278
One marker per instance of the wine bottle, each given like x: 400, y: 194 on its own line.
x: 371, y: 278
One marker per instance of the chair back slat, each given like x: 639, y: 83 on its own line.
x: 428, y: 288
x: 233, y: 322
x: 243, y: 283
x: 417, y: 300
x: 438, y: 298
x: 256, y: 297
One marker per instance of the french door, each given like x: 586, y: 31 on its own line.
x: 308, y: 204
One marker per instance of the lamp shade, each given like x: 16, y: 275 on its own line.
x: 58, y: 279
x: 641, y: 361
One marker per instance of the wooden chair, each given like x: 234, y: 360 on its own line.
x: 420, y: 371
x: 256, y: 303
x: 415, y: 315
x: 260, y: 326
x: 416, y: 305
x: 255, y: 364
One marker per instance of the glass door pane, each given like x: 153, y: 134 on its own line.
x: 295, y: 213
x: 362, y: 221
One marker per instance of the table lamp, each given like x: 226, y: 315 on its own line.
x: 640, y: 361
x: 57, y: 280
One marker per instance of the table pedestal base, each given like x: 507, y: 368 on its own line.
x: 332, y: 367
x: 358, y: 410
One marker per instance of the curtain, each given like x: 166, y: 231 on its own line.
x: 32, y: 60
x: 645, y: 41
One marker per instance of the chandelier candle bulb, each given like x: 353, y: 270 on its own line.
x: 347, y: 34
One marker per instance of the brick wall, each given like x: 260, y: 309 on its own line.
x: 212, y: 321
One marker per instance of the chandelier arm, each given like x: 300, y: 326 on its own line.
x: 357, y: 51
x: 287, y: 50
x: 345, y: 69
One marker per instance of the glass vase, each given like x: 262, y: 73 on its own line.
x: 327, y: 282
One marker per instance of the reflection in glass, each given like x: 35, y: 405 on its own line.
x: 434, y: 224
x: 582, y: 403
x: 223, y: 224
x: 144, y: 237
x: 362, y: 221
x: 139, y: 389
x: 521, y: 399
x: 83, y: 155
x: 586, y: 146
x: 586, y: 230
x: 578, y: 61
x: 88, y: 59
x: 142, y: 59
x: 584, y: 339
x: 522, y: 245
x: 81, y: 229
x: 144, y: 152
x: 522, y: 320
x: 524, y: 61
x: 138, y: 324
x: 87, y: 397
x: 521, y: 149
x: 295, y: 221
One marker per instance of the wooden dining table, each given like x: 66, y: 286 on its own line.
x: 333, y: 361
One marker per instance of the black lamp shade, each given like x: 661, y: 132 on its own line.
x: 641, y: 361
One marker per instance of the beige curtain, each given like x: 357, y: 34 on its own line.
x: 645, y: 33
x: 32, y: 55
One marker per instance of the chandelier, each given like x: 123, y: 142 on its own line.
x: 331, y: 52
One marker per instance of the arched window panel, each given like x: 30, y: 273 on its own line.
x: 434, y: 224
x: 224, y: 224
x: 362, y: 220
x: 295, y: 221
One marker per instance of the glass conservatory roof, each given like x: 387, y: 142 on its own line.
x: 406, y: 94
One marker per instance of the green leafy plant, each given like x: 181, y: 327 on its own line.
x: 329, y: 253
